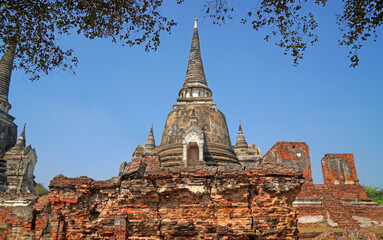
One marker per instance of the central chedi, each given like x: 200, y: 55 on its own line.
x: 195, y: 131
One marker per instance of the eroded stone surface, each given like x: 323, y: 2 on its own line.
x: 217, y: 145
x: 291, y: 154
x: 168, y: 203
x: 339, y: 168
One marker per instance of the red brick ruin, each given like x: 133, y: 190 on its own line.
x: 340, y: 202
x: 158, y: 203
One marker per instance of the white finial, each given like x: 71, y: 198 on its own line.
x: 195, y: 22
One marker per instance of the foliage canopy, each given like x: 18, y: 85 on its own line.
x: 34, y: 27
x: 376, y: 193
x: 292, y: 25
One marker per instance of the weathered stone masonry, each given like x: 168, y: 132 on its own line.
x: 167, y: 203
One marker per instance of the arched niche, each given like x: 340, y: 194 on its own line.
x: 192, y: 146
x: 192, y: 154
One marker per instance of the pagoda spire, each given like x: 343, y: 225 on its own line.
x: 241, y: 141
x: 150, y: 143
x: 20, y: 144
x: 195, y: 84
x: 6, y: 65
x: 195, y: 75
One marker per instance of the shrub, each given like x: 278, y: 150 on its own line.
x: 376, y: 193
x: 41, y: 190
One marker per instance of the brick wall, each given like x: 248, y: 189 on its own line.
x: 291, y: 154
x: 168, y: 203
x: 340, y: 201
x: 339, y: 169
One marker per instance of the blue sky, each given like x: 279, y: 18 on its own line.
x: 89, y: 123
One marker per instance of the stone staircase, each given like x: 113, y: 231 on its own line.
x: 337, y: 213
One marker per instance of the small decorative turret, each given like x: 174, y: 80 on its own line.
x: 150, y: 142
x: 241, y: 141
x: 195, y: 86
x: 246, y: 154
x: 21, y: 161
x: 20, y: 144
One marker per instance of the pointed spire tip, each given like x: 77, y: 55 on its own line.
x: 20, y: 143
x: 22, y: 134
x: 241, y: 141
x: 150, y: 142
x: 195, y: 23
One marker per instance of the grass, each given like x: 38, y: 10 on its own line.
x: 320, y: 229
x: 326, y: 229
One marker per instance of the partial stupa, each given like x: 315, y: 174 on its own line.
x: 17, y: 161
x: 8, y: 134
x: 195, y: 131
x: 244, y: 152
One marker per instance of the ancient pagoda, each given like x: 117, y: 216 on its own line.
x: 196, y: 131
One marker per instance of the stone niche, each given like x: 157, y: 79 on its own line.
x: 192, y: 148
x: 202, y: 202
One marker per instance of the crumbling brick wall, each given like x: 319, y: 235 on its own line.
x: 291, y: 154
x: 169, y: 203
x: 17, y: 215
x: 344, y: 206
x: 339, y: 169
x: 340, y: 202
x: 294, y: 155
